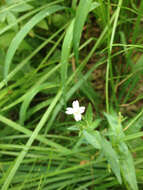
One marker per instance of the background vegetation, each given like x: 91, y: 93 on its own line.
x: 53, y: 52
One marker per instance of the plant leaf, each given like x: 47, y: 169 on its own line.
x: 24, y: 31
x: 22, y: 8
x: 94, y: 5
x: 91, y: 138
x: 66, y: 47
x: 30, y: 95
x: 112, y: 158
x: 81, y: 15
x: 89, y: 114
x: 127, y: 166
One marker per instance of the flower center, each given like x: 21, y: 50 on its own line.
x: 77, y: 111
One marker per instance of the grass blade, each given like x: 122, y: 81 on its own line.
x: 24, y: 31
x: 81, y: 15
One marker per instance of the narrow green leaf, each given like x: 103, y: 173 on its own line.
x: 89, y: 114
x: 29, y: 143
x: 12, y: 19
x: 66, y: 47
x: 81, y: 15
x: 91, y: 139
x: 127, y: 166
x: 22, y: 8
x: 94, y: 5
x: 112, y: 158
x: 28, y: 132
x: 29, y: 96
x: 95, y: 124
x: 115, y: 126
x: 24, y: 31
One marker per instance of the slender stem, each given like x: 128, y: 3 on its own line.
x: 109, y: 64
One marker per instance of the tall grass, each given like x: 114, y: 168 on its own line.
x: 55, y: 52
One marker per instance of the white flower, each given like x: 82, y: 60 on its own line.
x: 75, y: 110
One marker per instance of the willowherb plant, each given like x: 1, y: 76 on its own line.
x: 115, y: 150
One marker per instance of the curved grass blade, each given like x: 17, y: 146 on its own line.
x: 81, y: 15
x: 66, y: 47
x: 29, y: 97
x: 29, y: 142
x: 24, y: 31
x: 25, y: 16
x: 24, y: 62
x: 13, y: 6
x: 39, y: 82
x: 28, y: 132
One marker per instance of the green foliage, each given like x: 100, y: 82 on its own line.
x: 84, y: 8
x: 53, y: 52
x: 115, y: 151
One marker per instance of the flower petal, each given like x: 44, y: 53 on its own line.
x: 77, y: 117
x: 75, y: 105
x: 82, y: 109
x: 69, y: 111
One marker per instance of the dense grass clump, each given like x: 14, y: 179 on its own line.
x: 71, y: 95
